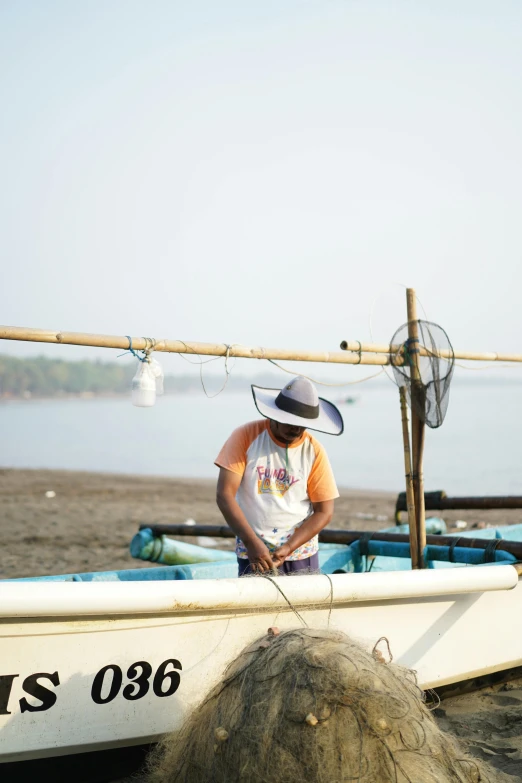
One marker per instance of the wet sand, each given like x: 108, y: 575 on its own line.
x: 88, y: 525
x: 488, y: 723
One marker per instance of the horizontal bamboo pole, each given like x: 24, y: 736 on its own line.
x: 436, y: 501
x: 352, y: 352
x: 342, y: 537
x: 179, y: 346
x: 356, y: 347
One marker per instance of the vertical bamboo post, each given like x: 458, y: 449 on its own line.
x: 410, y: 498
x: 417, y: 427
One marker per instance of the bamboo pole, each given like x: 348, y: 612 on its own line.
x: 356, y: 346
x: 417, y: 427
x: 359, y: 350
x: 438, y: 501
x: 410, y: 497
x: 179, y: 346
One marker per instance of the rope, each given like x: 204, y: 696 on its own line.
x: 323, y: 383
x: 376, y: 647
x: 490, y: 549
x: 451, y: 550
x: 227, y: 374
x: 150, y: 344
x: 331, y: 600
x: 294, y: 610
x: 201, y: 362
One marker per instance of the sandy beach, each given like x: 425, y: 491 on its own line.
x: 89, y: 522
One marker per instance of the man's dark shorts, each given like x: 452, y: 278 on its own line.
x: 310, y: 565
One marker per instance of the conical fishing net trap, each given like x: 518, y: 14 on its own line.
x: 423, y: 366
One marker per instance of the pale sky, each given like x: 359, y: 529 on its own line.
x: 261, y: 172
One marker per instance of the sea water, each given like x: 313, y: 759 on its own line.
x: 476, y: 451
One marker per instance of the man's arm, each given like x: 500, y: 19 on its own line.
x: 227, y: 487
x: 323, y: 513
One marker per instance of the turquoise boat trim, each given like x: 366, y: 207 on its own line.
x: 382, y: 556
x: 509, y: 532
x: 329, y: 562
x: 395, y: 556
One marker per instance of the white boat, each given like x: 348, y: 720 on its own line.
x: 103, y: 661
x: 93, y: 665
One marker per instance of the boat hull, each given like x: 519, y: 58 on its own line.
x: 87, y: 680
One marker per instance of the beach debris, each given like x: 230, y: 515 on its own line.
x: 460, y: 524
x: 377, y: 517
x: 207, y: 541
x: 50, y: 493
x: 273, y: 631
x: 372, y: 723
x: 190, y: 522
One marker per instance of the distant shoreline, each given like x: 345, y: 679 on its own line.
x: 100, y: 396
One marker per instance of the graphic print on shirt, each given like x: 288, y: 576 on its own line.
x: 274, y: 481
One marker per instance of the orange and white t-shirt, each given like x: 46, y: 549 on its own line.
x: 279, y: 483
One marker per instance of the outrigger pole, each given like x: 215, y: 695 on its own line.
x: 442, y: 354
x: 201, y: 349
x: 351, y: 353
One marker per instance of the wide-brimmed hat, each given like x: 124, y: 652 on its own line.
x: 299, y: 404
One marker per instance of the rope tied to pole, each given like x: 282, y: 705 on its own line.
x: 150, y: 344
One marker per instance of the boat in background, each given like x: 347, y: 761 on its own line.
x: 347, y: 401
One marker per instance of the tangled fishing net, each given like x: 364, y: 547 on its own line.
x: 429, y: 395
x: 312, y: 706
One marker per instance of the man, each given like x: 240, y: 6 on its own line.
x: 276, y: 488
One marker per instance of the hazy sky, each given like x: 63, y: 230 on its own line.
x: 261, y: 171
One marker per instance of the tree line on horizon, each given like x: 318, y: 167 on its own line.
x: 41, y: 376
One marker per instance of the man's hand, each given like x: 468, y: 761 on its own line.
x: 259, y: 556
x: 280, y: 555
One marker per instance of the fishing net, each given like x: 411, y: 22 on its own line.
x: 428, y: 395
x: 313, y: 706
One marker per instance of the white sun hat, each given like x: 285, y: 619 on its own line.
x: 299, y: 404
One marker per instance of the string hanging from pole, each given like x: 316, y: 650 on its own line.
x: 324, y: 383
